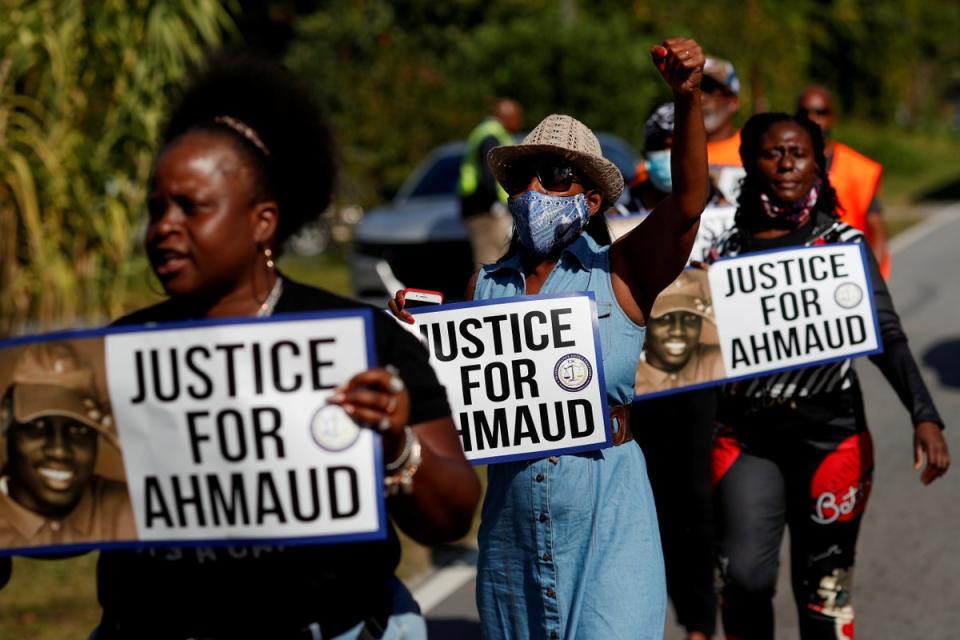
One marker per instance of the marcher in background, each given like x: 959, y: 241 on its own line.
x: 53, y: 429
x: 795, y: 449
x: 247, y: 161
x: 569, y: 546
x: 854, y: 176
x: 654, y: 182
x: 676, y: 432
x: 721, y: 101
x: 482, y: 200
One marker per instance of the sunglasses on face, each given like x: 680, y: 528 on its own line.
x: 711, y: 86
x: 554, y: 174
x: 820, y: 111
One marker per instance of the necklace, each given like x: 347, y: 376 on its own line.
x: 266, y: 309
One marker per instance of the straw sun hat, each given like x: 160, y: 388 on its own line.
x: 571, y: 139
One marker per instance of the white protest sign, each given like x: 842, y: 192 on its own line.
x: 784, y: 309
x: 226, y: 433
x: 524, y: 375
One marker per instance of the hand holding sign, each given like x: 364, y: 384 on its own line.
x: 396, y: 305
x: 377, y: 397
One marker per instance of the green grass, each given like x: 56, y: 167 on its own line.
x: 915, y: 164
x: 50, y: 599
x: 329, y: 270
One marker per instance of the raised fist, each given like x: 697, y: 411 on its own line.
x: 680, y: 61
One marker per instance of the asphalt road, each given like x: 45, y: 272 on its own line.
x: 908, y: 567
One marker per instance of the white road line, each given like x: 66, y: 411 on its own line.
x: 925, y: 228
x: 441, y: 584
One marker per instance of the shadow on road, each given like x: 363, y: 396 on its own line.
x: 453, y: 629
x: 944, y: 356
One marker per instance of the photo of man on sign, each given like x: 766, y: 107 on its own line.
x: 682, y: 346
x: 57, y: 443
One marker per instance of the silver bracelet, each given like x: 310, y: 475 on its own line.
x: 401, y: 460
x: 407, y: 464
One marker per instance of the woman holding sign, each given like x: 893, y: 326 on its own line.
x: 795, y: 448
x: 246, y: 162
x: 569, y: 546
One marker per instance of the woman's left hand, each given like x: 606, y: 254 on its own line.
x: 928, y: 442
x: 379, y: 399
x: 680, y: 61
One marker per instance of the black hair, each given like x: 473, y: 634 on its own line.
x: 751, y: 139
x: 298, y: 169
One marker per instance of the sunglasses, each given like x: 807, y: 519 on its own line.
x: 554, y: 174
x: 820, y: 111
x: 711, y: 86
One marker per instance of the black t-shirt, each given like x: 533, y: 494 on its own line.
x: 265, y: 591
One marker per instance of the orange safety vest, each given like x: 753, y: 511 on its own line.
x: 855, y: 178
x: 725, y: 152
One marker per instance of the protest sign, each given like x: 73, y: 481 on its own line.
x: 790, y: 308
x: 524, y: 375
x: 759, y: 314
x: 191, y: 433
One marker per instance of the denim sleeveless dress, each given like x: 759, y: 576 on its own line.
x: 569, y: 545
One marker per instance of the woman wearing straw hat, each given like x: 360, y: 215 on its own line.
x: 555, y: 561
x: 569, y: 545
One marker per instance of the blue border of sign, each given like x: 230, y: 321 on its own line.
x: 598, y: 351
x: 819, y: 363
x: 382, y: 526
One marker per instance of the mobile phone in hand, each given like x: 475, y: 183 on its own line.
x: 413, y: 298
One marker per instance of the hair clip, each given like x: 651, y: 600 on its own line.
x: 245, y: 130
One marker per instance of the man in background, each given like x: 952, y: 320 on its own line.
x: 720, y: 88
x: 682, y: 348
x: 855, y: 177
x: 482, y: 200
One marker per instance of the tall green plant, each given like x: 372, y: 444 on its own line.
x: 83, y: 87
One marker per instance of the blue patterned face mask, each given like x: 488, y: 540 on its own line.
x: 547, y: 224
x: 658, y: 168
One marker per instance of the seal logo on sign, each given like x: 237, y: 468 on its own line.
x: 333, y: 429
x: 573, y: 372
x: 848, y: 295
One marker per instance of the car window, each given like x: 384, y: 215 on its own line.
x: 438, y: 178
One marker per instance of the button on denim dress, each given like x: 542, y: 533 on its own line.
x: 569, y: 546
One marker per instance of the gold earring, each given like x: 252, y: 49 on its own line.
x: 268, y: 254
